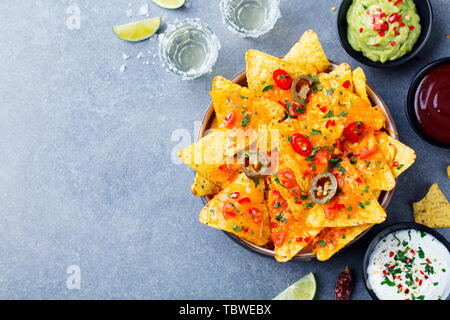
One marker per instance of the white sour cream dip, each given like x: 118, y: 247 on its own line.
x: 409, y: 265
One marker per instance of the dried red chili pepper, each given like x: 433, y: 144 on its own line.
x: 344, y: 285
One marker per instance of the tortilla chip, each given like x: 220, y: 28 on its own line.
x: 210, y: 156
x: 372, y: 213
x: 295, y: 207
x: 203, y: 186
x: 331, y: 240
x: 401, y: 156
x: 356, y: 108
x: 368, y: 210
x: 359, y: 82
x: 433, y: 210
x: 343, y: 73
x: 375, y: 168
x: 225, y: 213
x: 376, y: 193
x: 260, y: 68
x: 255, y: 112
x: 228, y: 96
x: 448, y: 172
x: 296, y: 236
x: 308, y: 50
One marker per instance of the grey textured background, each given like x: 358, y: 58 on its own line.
x: 86, y: 176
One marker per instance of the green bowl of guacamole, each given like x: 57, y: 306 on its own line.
x: 384, y: 33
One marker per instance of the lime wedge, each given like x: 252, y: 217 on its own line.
x: 139, y: 30
x: 170, y: 4
x: 303, y: 289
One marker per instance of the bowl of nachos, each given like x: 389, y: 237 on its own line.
x: 297, y: 156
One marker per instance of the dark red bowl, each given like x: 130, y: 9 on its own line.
x: 410, y: 101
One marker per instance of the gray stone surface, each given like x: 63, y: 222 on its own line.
x: 86, y: 172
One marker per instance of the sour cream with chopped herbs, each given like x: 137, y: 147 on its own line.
x: 409, y: 265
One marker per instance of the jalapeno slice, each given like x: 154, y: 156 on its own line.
x: 300, y: 88
x: 322, y: 188
x: 255, y: 164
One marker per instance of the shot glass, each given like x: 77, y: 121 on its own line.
x: 189, y: 48
x: 250, y: 18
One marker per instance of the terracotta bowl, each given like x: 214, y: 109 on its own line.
x: 384, y: 198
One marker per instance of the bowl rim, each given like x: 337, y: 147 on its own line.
x: 410, y: 100
x: 388, y: 230
x: 418, y: 46
x: 384, y: 198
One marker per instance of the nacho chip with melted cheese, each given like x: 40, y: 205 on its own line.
x: 240, y: 208
x: 248, y: 109
x: 308, y: 50
x: 288, y: 233
x: 371, y: 162
x: 359, y: 83
x: 260, y: 68
x: 210, y: 157
x: 343, y: 75
x: 400, y: 157
x: 433, y: 210
x: 353, y: 205
x: 203, y: 186
x: 330, y: 96
x: 331, y: 240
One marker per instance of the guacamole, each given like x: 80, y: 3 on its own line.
x: 383, y: 29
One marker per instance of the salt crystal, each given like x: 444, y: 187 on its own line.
x: 125, y: 56
x: 139, y: 55
x: 143, y: 11
x: 123, y: 68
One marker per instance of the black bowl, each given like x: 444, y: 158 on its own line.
x: 385, y: 232
x: 426, y: 20
x: 410, y: 101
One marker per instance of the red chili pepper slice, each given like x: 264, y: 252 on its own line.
x: 301, y: 145
x: 354, y: 131
x: 282, y: 79
x: 229, y: 120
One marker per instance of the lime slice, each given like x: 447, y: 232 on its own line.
x: 170, y: 4
x: 139, y: 30
x: 303, y: 289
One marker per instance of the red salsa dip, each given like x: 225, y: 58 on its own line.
x: 432, y: 104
